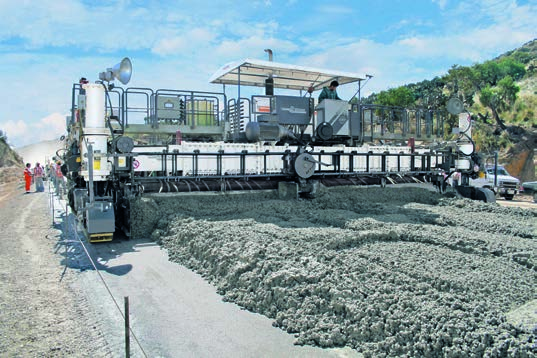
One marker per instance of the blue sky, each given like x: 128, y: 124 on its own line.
x: 47, y: 45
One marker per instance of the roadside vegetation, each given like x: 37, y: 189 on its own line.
x: 501, y: 95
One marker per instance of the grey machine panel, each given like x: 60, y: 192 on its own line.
x: 265, y: 131
x: 80, y: 197
x: 291, y: 110
x: 101, y: 218
x: 336, y: 112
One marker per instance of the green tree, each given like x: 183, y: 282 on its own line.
x: 489, y: 73
x: 511, y: 67
x: 522, y: 56
x: 508, y: 92
x: 429, y: 93
x: 500, y: 98
x: 400, y: 97
x: 463, y: 82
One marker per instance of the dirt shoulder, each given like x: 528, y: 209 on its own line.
x: 40, y: 313
x: 525, y: 201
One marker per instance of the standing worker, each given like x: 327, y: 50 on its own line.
x: 82, y: 81
x: 60, y: 181
x: 27, y: 178
x: 38, y: 178
x: 52, y: 173
x: 329, y: 92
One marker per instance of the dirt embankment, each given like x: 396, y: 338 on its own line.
x: 520, y: 159
x: 393, y: 272
x: 11, y: 165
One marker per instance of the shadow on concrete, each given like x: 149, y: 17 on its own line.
x: 77, y: 253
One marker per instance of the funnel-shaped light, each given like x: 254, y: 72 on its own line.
x: 123, y: 71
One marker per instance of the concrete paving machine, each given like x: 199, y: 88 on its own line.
x: 124, y: 142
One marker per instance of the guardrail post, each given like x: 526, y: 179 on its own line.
x: 127, y: 329
x: 243, y: 162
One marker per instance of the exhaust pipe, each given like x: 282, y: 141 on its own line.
x: 269, y: 82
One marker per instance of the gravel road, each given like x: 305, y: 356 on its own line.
x: 41, y: 313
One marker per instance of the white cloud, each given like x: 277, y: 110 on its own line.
x: 161, y: 27
x: 419, y: 57
x: 334, y: 9
x: 72, y: 23
x: 472, y: 45
x: 52, y: 126
x: 21, y: 133
x: 193, y: 40
x: 441, y: 3
x: 253, y: 45
x: 15, y: 130
x: 247, y: 29
x: 170, y: 45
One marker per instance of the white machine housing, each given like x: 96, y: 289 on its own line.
x: 255, y: 164
x: 95, y: 133
x: 336, y: 112
x: 464, y: 145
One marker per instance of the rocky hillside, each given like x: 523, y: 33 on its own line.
x: 11, y: 164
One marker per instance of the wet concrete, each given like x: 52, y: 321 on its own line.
x: 389, y: 272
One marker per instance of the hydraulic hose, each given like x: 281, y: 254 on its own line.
x: 111, y: 110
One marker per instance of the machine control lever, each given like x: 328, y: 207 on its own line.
x: 310, y: 159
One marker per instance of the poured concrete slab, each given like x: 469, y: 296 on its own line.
x: 175, y: 312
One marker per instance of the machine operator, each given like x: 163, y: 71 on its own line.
x: 329, y: 92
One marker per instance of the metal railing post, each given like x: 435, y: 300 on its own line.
x: 127, y: 329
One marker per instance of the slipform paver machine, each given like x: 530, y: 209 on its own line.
x: 124, y: 142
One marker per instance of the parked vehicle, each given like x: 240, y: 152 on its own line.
x: 529, y: 187
x: 505, y: 185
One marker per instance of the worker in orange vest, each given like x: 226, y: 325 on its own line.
x: 28, y: 178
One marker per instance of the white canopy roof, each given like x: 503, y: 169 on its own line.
x: 254, y: 72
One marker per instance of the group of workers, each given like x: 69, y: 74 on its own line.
x: 37, y: 174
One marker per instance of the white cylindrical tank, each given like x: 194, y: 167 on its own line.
x: 464, y: 145
x: 94, y: 105
x: 95, y: 133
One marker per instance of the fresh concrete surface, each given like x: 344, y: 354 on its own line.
x: 176, y: 313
